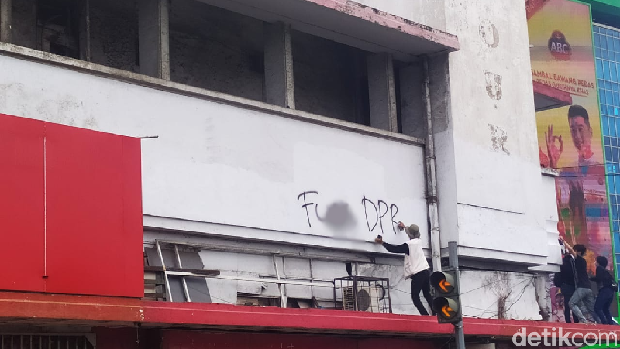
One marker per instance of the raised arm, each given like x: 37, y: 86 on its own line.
x: 568, y: 247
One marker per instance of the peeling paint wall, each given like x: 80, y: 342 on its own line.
x: 493, y: 199
x: 426, y: 12
x: 216, y: 49
x: 488, y: 154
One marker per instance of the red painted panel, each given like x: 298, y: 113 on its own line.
x: 396, y: 343
x: 21, y: 204
x: 133, y: 222
x: 178, y: 339
x: 94, y: 212
x: 127, y: 338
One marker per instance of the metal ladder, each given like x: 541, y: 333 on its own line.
x: 166, y: 272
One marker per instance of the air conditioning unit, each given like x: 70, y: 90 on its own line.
x: 367, y: 298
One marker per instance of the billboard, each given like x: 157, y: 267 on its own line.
x: 569, y: 136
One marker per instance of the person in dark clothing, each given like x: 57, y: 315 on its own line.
x: 605, y: 291
x: 567, y: 275
x: 583, y: 292
x: 416, y: 266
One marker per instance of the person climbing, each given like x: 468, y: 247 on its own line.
x: 606, y: 290
x: 565, y: 280
x: 416, y: 266
x: 583, y: 291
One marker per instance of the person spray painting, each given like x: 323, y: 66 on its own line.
x: 416, y: 266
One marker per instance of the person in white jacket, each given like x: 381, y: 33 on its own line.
x: 416, y: 266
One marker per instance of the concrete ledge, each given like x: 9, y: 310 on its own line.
x: 350, y: 23
x: 511, y: 260
x: 170, y: 228
x: 24, y: 53
x: 443, y: 40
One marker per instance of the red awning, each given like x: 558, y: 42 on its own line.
x: 111, y: 311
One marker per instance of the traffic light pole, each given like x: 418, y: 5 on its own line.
x: 459, y: 336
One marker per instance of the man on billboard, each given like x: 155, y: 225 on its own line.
x: 581, y: 132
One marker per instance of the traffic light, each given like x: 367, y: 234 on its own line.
x: 446, y: 302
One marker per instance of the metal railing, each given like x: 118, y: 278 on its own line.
x: 44, y: 341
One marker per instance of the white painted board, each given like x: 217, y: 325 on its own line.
x: 223, y: 164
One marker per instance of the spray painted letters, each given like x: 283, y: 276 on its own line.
x: 338, y: 216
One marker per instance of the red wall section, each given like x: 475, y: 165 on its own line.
x: 127, y: 338
x: 79, y: 222
x: 21, y: 204
x: 172, y: 339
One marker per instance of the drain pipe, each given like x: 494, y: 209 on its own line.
x: 431, y: 175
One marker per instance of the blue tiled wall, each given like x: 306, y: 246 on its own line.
x: 607, y: 52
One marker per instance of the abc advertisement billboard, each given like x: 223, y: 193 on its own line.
x: 569, y: 136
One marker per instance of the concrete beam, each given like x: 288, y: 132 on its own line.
x: 351, y: 23
x: 6, y: 16
x: 382, y: 92
x: 279, y: 81
x: 154, y: 38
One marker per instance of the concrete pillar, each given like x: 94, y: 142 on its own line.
x: 279, y: 81
x: 154, y: 38
x: 445, y: 147
x: 85, y: 54
x: 6, y: 16
x: 382, y: 92
x: 543, y: 298
x: 412, y: 107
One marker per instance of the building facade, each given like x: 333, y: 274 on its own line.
x: 278, y: 139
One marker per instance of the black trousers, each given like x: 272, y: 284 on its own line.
x: 567, y: 292
x: 420, y: 282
